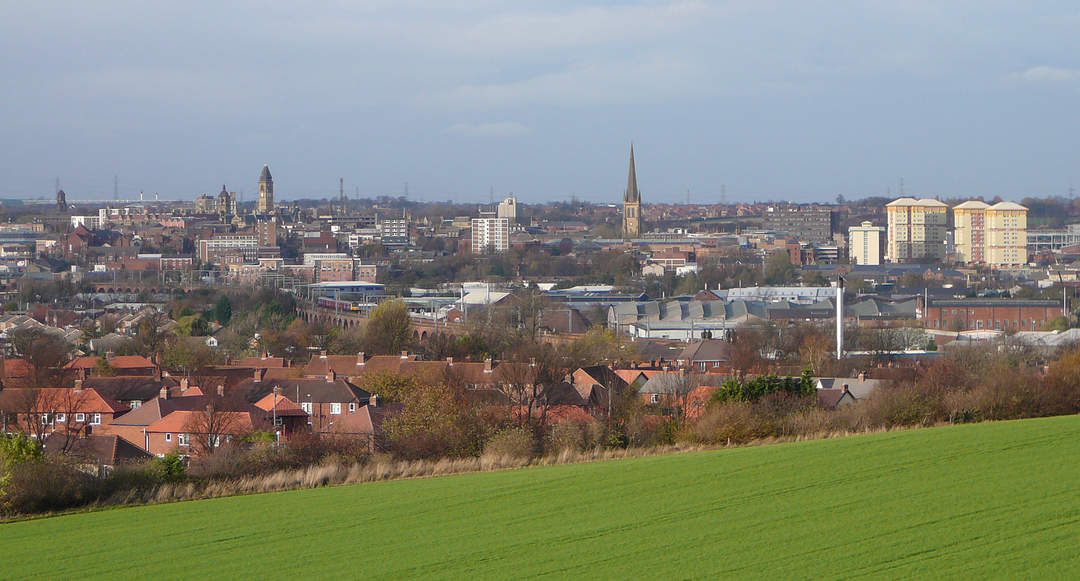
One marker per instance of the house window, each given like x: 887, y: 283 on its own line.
x: 44, y: 419
x: 182, y: 439
x: 335, y: 409
x: 135, y: 404
x: 168, y: 437
x: 352, y: 406
x: 95, y: 419
x: 654, y: 398
x: 61, y: 417
x: 80, y: 417
x: 306, y: 406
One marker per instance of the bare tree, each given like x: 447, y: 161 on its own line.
x: 212, y: 426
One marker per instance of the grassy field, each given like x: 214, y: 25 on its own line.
x: 991, y: 500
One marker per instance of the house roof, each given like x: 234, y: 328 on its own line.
x: 183, y: 421
x: 117, y: 362
x: 158, y: 408
x: 15, y: 367
x: 367, y: 420
x: 60, y: 399
x: 130, y: 388
x: 706, y: 350
x: 101, y: 449
x: 860, y: 388
x: 261, y: 362
x: 280, y: 405
x: 316, y: 390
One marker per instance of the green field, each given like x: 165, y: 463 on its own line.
x: 991, y: 500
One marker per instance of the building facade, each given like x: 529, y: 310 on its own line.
x: 490, y: 234
x: 631, y: 222
x: 866, y: 244
x: 508, y: 209
x: 1006, y: 234
x: 995, y: 235
x: 806, y: 223
x: 917, y: 230
x: 229, y: 249
x: 265, y: 205
x: 969, y: 231
x: 989, y: 314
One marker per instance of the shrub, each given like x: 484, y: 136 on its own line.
x: 511, y: 443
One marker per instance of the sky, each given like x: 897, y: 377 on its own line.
x: 760, y: 99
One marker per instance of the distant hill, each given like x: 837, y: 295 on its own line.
x: 974, y: 501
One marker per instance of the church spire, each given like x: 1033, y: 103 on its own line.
x: 632, y: 194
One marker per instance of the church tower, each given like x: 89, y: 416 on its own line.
x: 61, y: 201
x: 631, y: 218
x: 265, y: 205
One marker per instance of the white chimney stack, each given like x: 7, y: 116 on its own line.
x: 839, y: 317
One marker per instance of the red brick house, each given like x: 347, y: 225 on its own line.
x: 129, y: 365
x: 43, y: 411
x: 178, y: 431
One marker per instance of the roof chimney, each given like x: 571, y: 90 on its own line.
x: 183, y: 385
x: 360, y: 359
x: 862, y: 376
x: 221, y: 390
x: 109, y: 355
x: 322, y: 354
x: 450, y: 361
x: 78, y: 385
x: 404, y: 354
x: 331, y: 376
x: 532, y: 362
x: 487, y: 365
x: 256, y: 376
x: 164, y: 393
x: 374, y: 400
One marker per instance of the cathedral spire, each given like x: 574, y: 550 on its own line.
x: 632, y: 194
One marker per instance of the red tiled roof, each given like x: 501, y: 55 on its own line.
x: 285, y: 406
x: 261, y: 362
x: 16, y: 368
x: 183, y: 421
x: 117, y: 362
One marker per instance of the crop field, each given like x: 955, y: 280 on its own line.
x: 990, y: 500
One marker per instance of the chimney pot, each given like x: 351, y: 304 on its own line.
x: 487, y: 365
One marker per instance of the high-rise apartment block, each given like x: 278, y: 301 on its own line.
x: 969, y: 231
x: 917, y: 230
x: 991, y: 234
x: 866, y: 244
x: 490, y: 234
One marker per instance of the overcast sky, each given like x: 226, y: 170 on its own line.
x: 776, y: 100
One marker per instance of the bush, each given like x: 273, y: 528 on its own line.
x: 511, y: 443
